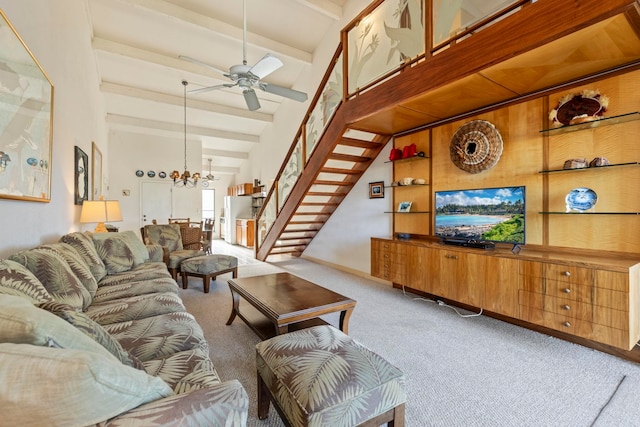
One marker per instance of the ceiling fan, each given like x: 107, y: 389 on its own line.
x: 250, y: 77
x: 208, y: 178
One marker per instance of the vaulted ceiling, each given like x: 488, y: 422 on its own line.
x: 138, y: 44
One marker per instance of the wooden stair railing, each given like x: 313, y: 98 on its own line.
x: 335, y: 166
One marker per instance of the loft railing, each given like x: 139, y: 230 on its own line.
x: 384, y: 39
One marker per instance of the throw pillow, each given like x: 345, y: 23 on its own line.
x: 55, y: 274
x: 140, y: 251
x: 93, y: 330
x: 63, y: 387
x: 114, y: 252
x: 23, y: 323
x: 77, y: 265
x: 16, y: 280
x: 83, y: 244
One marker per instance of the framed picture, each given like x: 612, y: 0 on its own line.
x: 404, y: 206
x: 96, y: 172
x: 376, y: 190
x: 81, y: 176
x: 26, y: 117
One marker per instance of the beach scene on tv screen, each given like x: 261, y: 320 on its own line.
x: 496, y: 214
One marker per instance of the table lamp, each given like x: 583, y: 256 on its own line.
x: 100, y: 211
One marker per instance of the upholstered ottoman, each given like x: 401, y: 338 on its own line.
x: 208, y: 266
x: 321, y: 377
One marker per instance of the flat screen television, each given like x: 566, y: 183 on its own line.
x: 484, y: 214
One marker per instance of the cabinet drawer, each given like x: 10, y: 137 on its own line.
x: 569, y: 308
x: 393, y: 247
x: 559, y: 322
x: 568, y: 273
x: 611, y: 299
x: 571, y: 291
x: 392, y: 257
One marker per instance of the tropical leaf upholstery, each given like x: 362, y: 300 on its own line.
x: 83, y: 244
x: 16, y: 279
x: 55, y: 274
x: 322, y: 377
x: 84, y: 324
x: 230, y: 409
x: 130, y: 289
x: 169, y: 236
x: 137, y: 307
x: 159, y: 336
x: 71, y: 337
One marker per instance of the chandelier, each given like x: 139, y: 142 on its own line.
x: 185, y: 179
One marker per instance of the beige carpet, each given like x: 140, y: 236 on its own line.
x: 473, y: 371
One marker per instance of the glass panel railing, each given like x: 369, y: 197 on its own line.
x: 290, y: 174
x: 383, y: 40
x: 326, y: 106
x: 452, y: 17
x: 267, y: 217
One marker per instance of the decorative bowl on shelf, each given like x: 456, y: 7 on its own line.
x: 580, y: 199
x: 406, y: 181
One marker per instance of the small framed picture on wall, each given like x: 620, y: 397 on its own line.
x: 404, y: 207
x: 376, y: 190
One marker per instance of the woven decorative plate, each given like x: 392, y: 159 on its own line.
x: 476, y: 146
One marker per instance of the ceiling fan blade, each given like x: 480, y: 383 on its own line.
x: 209, y: 88
x: 267, y: 65
x: 204, y: 64
x: 252, y: 99
x: 296, y: 95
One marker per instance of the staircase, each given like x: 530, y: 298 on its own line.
x: 330, y: 173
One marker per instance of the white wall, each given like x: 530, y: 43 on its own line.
x: 132, y: 152
x: 58, y: 34
x: 344, y: 239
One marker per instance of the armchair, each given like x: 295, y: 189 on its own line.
x: 170, y: 237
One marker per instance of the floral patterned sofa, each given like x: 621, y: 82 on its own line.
x: 93, y: 332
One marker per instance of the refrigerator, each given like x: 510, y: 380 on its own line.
x: 234, y: 207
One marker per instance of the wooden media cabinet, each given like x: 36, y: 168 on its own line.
x: 589, y: 297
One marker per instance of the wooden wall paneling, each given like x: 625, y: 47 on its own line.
x: 520, y: 163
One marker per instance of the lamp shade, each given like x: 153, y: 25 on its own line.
x: 100, y: 211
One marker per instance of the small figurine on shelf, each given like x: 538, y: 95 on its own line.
x: 409, y: 151
x: 395, y: 154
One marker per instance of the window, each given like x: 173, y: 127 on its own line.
x: 208, y: 203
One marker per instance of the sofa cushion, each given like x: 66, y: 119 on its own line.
x: 77, y: 265
x: 23, y: 323
x: 140, y: 251
x: 184, y: 371
x: 138, y: 307
x: 16, y: 279
x: 159, y: 336
x: 83, y: 244
x: 144, y: 272
x: 130, y: 289
x: 54, y: 273
x: 60, y: 386
x: 84, y: 324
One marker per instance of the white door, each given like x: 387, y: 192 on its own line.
x: 156, y: 200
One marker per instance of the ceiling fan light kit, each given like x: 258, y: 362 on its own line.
x: 185, y: 179
x: 249, y: 77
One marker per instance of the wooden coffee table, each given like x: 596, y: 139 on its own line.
x: 281, y: 302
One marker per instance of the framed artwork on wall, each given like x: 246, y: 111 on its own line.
x: 96, y: 172
x: 376, y: 190
x: 81, y: 176
x: 26, y: 118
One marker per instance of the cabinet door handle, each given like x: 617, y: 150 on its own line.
x: 567, y: 324
x: 566, y: 307
x: 451, y: 256
x: 567, y: 273
x: 566, y: 290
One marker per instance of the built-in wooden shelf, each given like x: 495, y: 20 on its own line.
x: 591, y: 168
x: 410, y: 185
x: 605, y: 121
x: 408, y: 159
x: 589, y: 213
